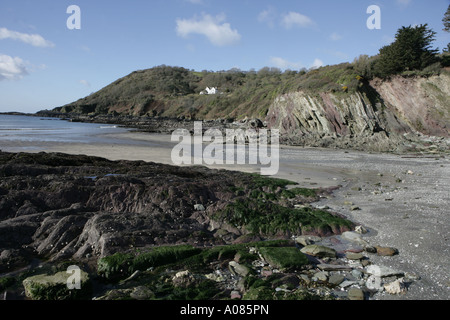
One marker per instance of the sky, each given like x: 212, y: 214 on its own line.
x: 51, y: 54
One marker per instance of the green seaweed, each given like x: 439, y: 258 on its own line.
x: 121, y: 265
x: 284, y: 258
x: 268, y: 218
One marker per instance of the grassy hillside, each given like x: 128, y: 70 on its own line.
x: 175, y: 91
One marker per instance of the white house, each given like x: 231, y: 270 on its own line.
x: 210, y: 91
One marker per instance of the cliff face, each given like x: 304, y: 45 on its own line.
x: 377, y: 117
x: 423, y: 103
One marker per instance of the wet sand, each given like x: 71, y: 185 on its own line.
x: 403, y: 200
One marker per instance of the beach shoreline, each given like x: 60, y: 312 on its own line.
x: 401, y: 200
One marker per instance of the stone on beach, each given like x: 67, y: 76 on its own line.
x: 395, y: 287
x: 382, y: 271
x: 354, y: 237
x: 319, y: 251
x: 307, y: 240
x: 386, y: 251
x: 355, y: 294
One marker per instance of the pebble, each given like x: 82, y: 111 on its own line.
x: 199, y: 207
x: 307, y: 240
x: 347, y: 283
x: 395, y: 287
x: 333, y: 267
x: 305, y: 278
x: 321, y: 276
x: 370, y: 249
x: 336, y: 279
x: 235, y: 295
x: 355, y: 294
x: 142, y: 293
x: 382, y: 271
x: 360, y: 230
x: 386, y: 251
x: 354, y: 237
x: 319, y: 251
x: 358, y: 275
x: 354, y: 256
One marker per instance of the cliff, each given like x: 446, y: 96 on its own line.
x: 381, y: 115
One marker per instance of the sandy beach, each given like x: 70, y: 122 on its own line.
x: 402, y: 200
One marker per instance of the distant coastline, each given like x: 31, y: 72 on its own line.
x: 16, y: 113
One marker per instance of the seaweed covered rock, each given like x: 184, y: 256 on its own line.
x: 319, y: 251
x: 284, y: 258
x: 56, y: 287
x: 61, y: 207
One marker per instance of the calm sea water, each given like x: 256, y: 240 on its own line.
x: 25, y: 128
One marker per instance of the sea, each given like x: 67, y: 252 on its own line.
x: 40, y: 129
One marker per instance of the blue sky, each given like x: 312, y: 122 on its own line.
x: 44, y: 64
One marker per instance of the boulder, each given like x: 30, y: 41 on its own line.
x: 238, y: 269
x: 284, y: 258
x: 142, y: 293
x: 55, y: 287
x: 319, y: 251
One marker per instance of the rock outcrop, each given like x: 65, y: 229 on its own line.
x: 61, y: 207
x: 376, y: 117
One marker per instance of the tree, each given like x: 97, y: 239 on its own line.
x: 446, y: 20
x: 411, y: 50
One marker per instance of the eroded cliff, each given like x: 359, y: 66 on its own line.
x: 380, y: 116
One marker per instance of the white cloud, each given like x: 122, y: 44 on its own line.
x: 268, y: 16
x: 85, y: 83
x: 317, y: 64
x: 12, y: 68
x: 296, y: 19
x: 218, y: 32
x: 335, y: 36
x: 404, y: 2
x: 32, y: 39
x: 85, y: 48
x: 284, y: 64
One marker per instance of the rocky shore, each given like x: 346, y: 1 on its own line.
x: 382, y: 141
x: 143, y: 230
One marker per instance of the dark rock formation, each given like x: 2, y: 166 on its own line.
x: 57, y: 206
